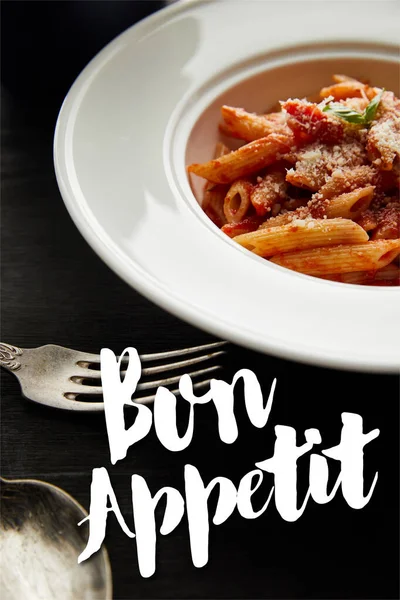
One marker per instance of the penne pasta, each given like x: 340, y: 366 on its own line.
x: 248, y: 224
x: 368, y: 220
x: 388, y: 223
x: 294, y: 203
x: 237, y: 200
x: 350, y: 88
x: 315, y: 186
x: 220, y: 150
x: 338, y: 78
x: 346, y: 180
x: 309, y: 123
x: 299, y: 235
x: 213, y: 203
x: 268, y: 191
x: 278, y: 221
x: 249, y: 127
x: 383, y: 139
x: 316, y: 163
x: 350, y: 205
x: 384, y: 222
x: 244, y: 161
x: 369, y: 256
x: 214, y: 195
x: 389, y: 275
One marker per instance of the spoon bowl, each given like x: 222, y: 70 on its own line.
x: 40, y: 542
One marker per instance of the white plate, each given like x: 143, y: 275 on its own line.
x: 120, y: 155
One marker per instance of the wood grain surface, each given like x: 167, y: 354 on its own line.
x: 56, y: 290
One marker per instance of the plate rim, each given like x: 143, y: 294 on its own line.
x: 145, y: 284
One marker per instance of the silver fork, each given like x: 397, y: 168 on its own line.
x: 54, y: 375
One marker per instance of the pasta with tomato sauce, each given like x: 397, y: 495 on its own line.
x: 315, y: 186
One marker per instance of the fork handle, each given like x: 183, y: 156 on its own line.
x: 8, y: 356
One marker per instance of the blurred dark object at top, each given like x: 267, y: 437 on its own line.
x: 45, y: 45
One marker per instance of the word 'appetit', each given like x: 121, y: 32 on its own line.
x: 282, y: 464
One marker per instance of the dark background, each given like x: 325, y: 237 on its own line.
x: 56, y: 290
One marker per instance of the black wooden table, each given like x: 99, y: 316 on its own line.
x: 56, y: 290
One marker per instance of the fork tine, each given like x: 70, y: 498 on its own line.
x: 147, y: 385
x: 78, y: 405
x: 82, y: 373
x: 92, y: 390
x: 181, y: 352
x: 178, y: 365
x: 150, y: 399
x: 77, y: 388
x: 85, y: 357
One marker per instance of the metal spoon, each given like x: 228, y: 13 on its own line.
x: 40, y: 542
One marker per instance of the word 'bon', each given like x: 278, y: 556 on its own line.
x: 282, y: 465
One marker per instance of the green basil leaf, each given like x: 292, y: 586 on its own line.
x: 352, y: 116
x: 372, y: 107
x: 347, y: 114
